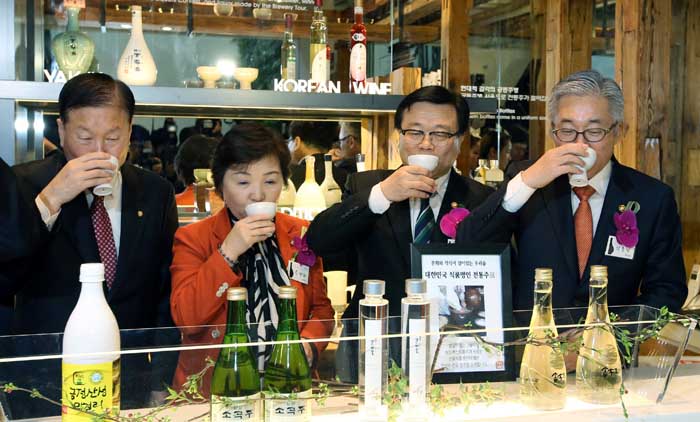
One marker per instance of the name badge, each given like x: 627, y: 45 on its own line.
x: 613, y: 248
x: 298, y: 272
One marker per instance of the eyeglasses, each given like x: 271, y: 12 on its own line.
x: 345, y: 138
x: 591, y: 135
x: 415, y: 136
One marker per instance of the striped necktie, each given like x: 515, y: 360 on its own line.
x: 424, y: 224
x: 105, y: 239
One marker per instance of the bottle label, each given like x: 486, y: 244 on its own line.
x: 291, y: 68
x: 319, y: 67
x: 358, y: 62
x: 90, y: 387
x: 224, y: 409
x: 417, y: 375
x: 358, y: 37
x: 373, y: 363
x: 289, y: 407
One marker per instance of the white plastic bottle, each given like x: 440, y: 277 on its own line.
x: 136, y: 65
x: 91, y: 382
x: 331, y: 190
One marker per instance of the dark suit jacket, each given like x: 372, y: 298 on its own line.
x: 543, y: 231
x: 298, y: 172
x: 19, y: 230
x: 382, y: 242
x: 44, y: 281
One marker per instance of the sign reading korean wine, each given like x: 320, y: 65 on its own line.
x: 468, y: 290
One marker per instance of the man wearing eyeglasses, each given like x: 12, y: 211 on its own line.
x: 569, y: 229
x: 384, y: 211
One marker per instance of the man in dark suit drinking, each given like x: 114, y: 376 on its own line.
x: 621, y: 218
x: 129, y: 228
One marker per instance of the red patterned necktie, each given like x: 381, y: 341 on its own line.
x: 105, y: 239
x: 583, y: 226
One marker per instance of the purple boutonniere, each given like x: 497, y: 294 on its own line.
x: 450, y: 221
x: 627, y: 233
x: 304, y: 255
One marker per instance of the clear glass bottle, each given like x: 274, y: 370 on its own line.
x: 73, y: 50
x: 480, y: 171
x: 542, y: 372
x: 136, y: 65
x: 331, y: 190
x: 288, y: 63
x: 373, y: 351
x: 287, y: 385
x: 318, y: 45
x: 310, y: 197
x: 358, y: 48
x: 415, y: 350
x: 235, y: 383
x: 598, y: 368
x: 91, y: 328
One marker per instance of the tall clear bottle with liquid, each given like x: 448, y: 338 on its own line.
x: 415, y: 356
x: 373, y: 351
x: 91, y: 381
x: 235, y: 383
x: 318, y: 51
x: 287, y: 385
x: 288, y: 64
x: 542, y: 372
x: 331, y: 190
x: 598, y: 368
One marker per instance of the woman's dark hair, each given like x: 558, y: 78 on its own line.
x: 94, y: 90
x: 245, y: 144
x: 195, y: 153
x: 489, y: 141
x: 320, y: 135
x: 435, y: 95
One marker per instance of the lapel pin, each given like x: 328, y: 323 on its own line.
x: 139, y: 213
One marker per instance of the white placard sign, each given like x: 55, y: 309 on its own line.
x: 465, y: 289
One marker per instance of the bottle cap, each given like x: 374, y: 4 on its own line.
x: 373, y: 287
x: 599, y: 271
x: 288, y: 292
x: 288, y: 19
x: 92, y: 273
x: 319, y: 3
x: 543, y: 274
x: 483, y: 162
x: 493, y: 164
x: 327, y: 157
x: 416, y: 286
x: 237, y: 293
x: 360, y: 158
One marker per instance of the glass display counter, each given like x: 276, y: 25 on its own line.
x: 660, y: 381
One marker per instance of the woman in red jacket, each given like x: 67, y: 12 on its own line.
x: 231, y: 249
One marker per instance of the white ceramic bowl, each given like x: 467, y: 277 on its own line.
x: 261, y: 208
x: 427, y: 161
x: 209, y: 74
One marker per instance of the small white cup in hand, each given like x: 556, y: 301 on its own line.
x: 427, y: 161
x: 581, y: 179
x: 105, y: 189
x: 261, y: 208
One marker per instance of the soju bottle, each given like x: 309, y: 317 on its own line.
x: 235, y: 385
x: 598, y: 368
x: 542, y: 372
x: 287, y: 386
x: 373, y: 353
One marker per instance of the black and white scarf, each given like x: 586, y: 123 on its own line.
x: 263, y: 273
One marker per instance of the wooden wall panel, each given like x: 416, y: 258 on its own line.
x: 454, y: 43
x: 538, y: 82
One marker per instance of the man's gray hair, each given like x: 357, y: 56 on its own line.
x: 351, y: 128
x: 588, y: 83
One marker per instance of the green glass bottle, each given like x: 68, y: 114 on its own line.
x: 287, y: 386
x: 235, y: 384
x: 598, y: 368
x: 73, y: 50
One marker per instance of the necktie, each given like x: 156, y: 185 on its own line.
x: 105, y: 239
x: 424, y: 224
x: 583, y: 226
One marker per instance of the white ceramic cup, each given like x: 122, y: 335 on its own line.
x: 105, y: 189
x: 427, y: 161
x: 261, y: 208
x: 579, y: 180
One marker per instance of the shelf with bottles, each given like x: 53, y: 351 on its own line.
x: 655, y: 384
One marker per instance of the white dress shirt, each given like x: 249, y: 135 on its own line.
x: 378, y: 203
x: 113, y: 205
x: 518, y: 193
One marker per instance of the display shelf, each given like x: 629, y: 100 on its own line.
x: 230, y: 103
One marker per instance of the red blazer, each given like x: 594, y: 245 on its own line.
x: 198, y: 291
